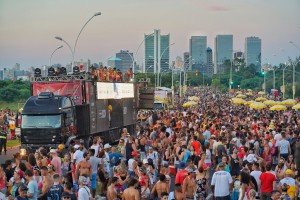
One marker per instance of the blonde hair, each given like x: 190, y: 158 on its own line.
x: 252, y: 194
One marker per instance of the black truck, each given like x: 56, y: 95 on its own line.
x: 66, y: 108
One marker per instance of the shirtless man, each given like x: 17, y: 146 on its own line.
x: 47, y: 183
x: 84, y: 166
x: 178, y: 192
x: 111, y: 192
x: 131, y: 193
x: 161, y: 186
x: 189, y: 184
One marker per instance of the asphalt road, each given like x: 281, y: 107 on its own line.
x: 9, y: 154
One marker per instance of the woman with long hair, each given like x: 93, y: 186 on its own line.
x: 245, y: 179
x: 202, y: 183
x: 67, y: 167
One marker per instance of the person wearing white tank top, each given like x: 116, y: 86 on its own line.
x: 132, y: 164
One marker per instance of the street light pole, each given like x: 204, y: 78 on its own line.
x: 136, y: 53
x: 53, y: 53
x: 72, y: 53
x: 230, y: 79
x: 74, y: 49
x: 147, y: 70
x: 294, y: 84
x: 158, y: 71
x: 132, y: 61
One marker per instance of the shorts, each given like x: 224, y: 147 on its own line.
x: 94, y: 181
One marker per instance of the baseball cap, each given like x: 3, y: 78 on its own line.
x: 81, y: 141
x: 221, y: 164
x: 134, y: 153
x: 83, y: 180
x: 182, y: 165
x: 289, y: 172
x: 65, y: 194
x: 20, y: 173
x: 53, y: 151
x: 76, y: 146
x: 107, y: 146
x: 145, y: 161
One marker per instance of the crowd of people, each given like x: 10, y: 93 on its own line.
x: 214, y: 150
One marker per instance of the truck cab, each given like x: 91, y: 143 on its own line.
x: 46, y: 121
x: 159, y: 105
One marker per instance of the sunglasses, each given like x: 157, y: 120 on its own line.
x: 66, y: 198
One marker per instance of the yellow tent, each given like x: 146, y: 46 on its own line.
x: 278, y: 107
x: 257, y: 105
x: 241, y: 96
x: 260, y: 99
x: 270, y: 102
x: 289, y: 102
x: 261, y: 92
x: 296, y: 107
x: 189, y: 103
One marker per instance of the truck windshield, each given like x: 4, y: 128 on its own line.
x: 158, y: 106
x: 41, y: 121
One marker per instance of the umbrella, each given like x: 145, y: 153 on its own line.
x: 189, y: 103
x: 278, y: 107
x: 260, y: 99
x: 194, y: 98
x: 239, y: 92
x: 296, y: 107
x: 261, y: 92
x: 289, y: 102
x: 241, y: 96
x: 257, y: 105
x: 249, y: 90
x: 238, y: 101
x: 249, y: 102
x: 249, y: 94
x: 270, y: 102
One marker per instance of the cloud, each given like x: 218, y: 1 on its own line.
x: 218, y: 7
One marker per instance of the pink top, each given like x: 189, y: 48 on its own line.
x: 56, y: 162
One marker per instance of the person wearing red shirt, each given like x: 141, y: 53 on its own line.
x: 181, y: 175
x: 196, y: 144
x: 268, y: 182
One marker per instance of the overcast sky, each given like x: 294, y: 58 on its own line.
x: 28, y: 27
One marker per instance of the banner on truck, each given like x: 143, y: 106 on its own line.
x: 114, y: 90
x: 64, y: 88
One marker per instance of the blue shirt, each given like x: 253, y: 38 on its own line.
x: 186, y: 156
x: 114, y: 157
x: 33, y: 189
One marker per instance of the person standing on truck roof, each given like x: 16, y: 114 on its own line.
x: 56, y: 161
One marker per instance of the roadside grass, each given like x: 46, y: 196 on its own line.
x: 12, y: 143
x: 12, y: 106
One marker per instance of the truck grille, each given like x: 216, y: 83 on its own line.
x: 40, y: 136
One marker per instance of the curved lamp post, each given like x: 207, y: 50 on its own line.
x: 294, y: 65
x: 53, y: 53
x: 74, y: 49
x: 136, y: 53
x: 72, y: 53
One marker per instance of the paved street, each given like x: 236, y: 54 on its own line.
x: 9, y: 155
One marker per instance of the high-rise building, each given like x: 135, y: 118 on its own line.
x: 223, y: 51
x: 186, y: 60
x: 126, y: 60
x: 253, y: 52
x: 198, y: 46
x: 209, y: 62
x: 114, y: 62
x: 1, y: 74
x: 157, y: 51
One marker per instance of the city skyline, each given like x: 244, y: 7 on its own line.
x: 28, y: 28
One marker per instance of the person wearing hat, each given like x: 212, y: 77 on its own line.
x: 290, y: 182
x: 221, y: 183
x: 189, y: 184
x: 182, y: 174
x: 17, y: 182
x: 56, y: 161
x: 132, y: 164
x: 78, y: 155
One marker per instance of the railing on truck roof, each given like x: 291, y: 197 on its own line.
x: 60, y: 78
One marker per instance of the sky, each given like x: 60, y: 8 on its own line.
x: 28, y: 28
